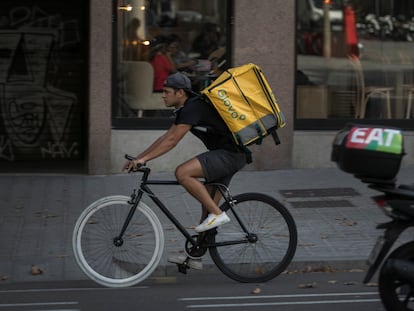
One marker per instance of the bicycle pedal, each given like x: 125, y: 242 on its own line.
x: 182, y: 268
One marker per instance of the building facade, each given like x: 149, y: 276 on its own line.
x: 66, y: 70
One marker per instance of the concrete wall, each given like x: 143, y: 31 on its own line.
x: 264, y: 34
x: 99, y: 123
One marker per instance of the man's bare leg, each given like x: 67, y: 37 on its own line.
x: 216, y: 195
x: 187, y: 175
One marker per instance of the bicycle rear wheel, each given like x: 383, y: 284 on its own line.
x: 109, y: 260
x: 270, y: 241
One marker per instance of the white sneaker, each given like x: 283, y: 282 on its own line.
x: 212, y: 221
x: 191, y: 262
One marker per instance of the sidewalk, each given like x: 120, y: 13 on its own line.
x: 333, y: 212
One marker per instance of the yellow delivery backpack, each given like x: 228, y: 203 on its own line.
x: 243, y: 98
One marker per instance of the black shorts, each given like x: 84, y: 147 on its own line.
x: 220, y: 165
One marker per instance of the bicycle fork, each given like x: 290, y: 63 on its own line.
x: 135, y: 199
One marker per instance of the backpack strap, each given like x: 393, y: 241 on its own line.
x: 248, y: 153
x: 275, y: 136
x: 259, y: 133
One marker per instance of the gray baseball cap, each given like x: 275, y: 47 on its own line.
x: 178, y: 80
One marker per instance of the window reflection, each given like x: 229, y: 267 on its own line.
x: 355, y: 59
x: 159, y: 37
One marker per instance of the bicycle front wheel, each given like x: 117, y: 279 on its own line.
x: 266, y: 245
x: 109, y: 259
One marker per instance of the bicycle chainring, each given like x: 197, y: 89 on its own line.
x: 197, y: 250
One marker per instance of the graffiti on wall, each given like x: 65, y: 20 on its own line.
x: 39, y: 85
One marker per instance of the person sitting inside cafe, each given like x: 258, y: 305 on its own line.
x: 161, y: 61
x: 181, y: 60
x: 207, y: 41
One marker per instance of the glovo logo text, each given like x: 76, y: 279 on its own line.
x: 222, y: 94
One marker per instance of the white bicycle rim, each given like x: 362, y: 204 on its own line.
x: 134, y: 279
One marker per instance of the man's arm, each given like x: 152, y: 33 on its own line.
x: 162, y: 145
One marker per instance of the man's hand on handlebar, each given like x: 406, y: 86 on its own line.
x: 132, y: 164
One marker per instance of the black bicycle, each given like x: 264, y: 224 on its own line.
x: 118, y: 240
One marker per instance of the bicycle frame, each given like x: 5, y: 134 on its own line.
x: 144, y: 188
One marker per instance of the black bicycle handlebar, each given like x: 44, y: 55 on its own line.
x: 128, y: 157
x: 139, y: 167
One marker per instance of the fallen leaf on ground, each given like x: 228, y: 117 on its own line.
x: 347, y: 222
x: 305, y: 244
x: 371, y: 284
x: 36, y: 270
x: 325, y: 269
x: 256, y: 291
x: 260, y: 270
x: 310, y: 269
x: 307, y: 285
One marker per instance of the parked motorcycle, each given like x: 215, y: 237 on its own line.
x: 373, y: 154
x: 409, y: 29
x: 389, y: 27
x: 396, y: 276
x: 386, y: 26
x: 372, y: 25
x: 402, y: 28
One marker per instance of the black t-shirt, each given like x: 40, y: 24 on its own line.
x: 206, y: 124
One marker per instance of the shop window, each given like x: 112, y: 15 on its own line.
x: 355, y: 62
x: 156, y: 38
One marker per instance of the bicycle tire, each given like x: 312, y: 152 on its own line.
x: 94, y: 245
x: 261, y: 260
x: 396, y: 294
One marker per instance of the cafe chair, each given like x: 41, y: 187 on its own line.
x: 409, y: 90
x: 365, y: 93
x: 139, y: 94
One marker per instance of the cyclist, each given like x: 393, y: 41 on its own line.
x: 222, y: 160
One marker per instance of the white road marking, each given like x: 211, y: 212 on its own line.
x: 353, y: 298
x: 40, y: 290
x: 33, y: 304
x: 279, y: 296
x: 311, y: 302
